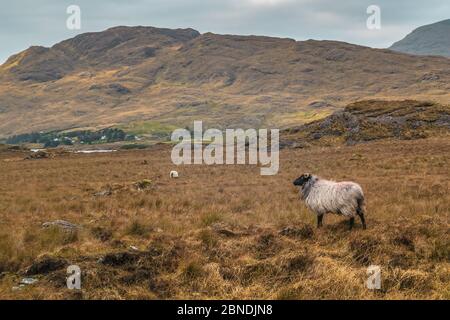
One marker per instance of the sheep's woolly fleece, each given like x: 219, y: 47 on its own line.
x: 323, y: 196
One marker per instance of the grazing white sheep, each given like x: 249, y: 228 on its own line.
x: 173, y: 174
x: 324, y: 196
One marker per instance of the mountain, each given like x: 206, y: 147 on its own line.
x: 114, y: 48
x: 432, y: 39
x: 364, y: 121
x: 152, y: 77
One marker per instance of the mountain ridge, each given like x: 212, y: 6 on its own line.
x: 76, y: 52
x: 173, y: 77
x: 431, y: 39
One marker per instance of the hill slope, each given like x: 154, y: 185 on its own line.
x: 172, y: 77
x: 373, y: 120
x: 432, y: 39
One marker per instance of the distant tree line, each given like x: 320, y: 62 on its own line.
x: 54, y: 139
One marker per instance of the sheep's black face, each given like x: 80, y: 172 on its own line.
x: 300, y: 181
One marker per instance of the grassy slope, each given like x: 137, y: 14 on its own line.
x: 215, y: 232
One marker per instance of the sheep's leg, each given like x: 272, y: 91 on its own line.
x: 319, y: 220
x: 363, y: 220
x: 352, y: 222
x: 360, y: 213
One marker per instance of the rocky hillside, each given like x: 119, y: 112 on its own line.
x: 432, y: 39
x: 116, y: 47
x: 373, y: 120
x: 163, y: 77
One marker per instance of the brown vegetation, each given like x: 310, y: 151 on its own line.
x: 225, y: 231
x: 370, y: 120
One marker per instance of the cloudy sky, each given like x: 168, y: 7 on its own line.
x: 29, y: 22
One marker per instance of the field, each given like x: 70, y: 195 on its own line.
x: 225, y: 231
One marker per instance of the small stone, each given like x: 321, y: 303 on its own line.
x: 28, y: 281
x: 60, y: 223
x: 41, y: 154
x: 103, y: 193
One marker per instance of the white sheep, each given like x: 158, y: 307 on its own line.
x: 324, y: 196
x: 173, y: 174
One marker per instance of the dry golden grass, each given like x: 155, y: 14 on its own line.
x: 225, y: 231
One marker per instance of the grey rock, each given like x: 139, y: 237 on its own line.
x: 103, y: 193
x: 28, y: 281
x: 60, y: 223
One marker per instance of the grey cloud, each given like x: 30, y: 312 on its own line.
x: 25, y: 22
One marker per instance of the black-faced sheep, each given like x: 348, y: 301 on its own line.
x: 324, y: 196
